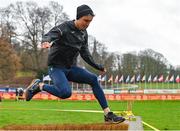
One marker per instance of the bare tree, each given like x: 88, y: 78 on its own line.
x: 152, y: 62
x: 58, y: 16
x: 129, y: 63
x: 7, y: 25
x: 34, y: 21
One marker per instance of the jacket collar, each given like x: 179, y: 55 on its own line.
x: 72, y: 25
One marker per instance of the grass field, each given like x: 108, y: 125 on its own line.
x: 163, y: 115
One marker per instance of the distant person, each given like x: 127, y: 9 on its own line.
x: 66, y: 41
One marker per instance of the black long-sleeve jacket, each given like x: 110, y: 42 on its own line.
x: 67, y: 43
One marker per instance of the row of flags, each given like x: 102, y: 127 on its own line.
x: 138, y: 78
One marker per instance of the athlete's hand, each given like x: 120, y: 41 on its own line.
x: 46, y: 45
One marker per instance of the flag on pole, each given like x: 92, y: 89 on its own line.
x: 171, y: 79
x: 138, y: 78
x: 132, y: 79
x: 144, y: 78
x: 104, y: 78
x: 149, y: 78
x: 161, y: 78
x: 116, y: 79
x: 127, y: 79
x: 121, y: 79
x: 177, y: 79
x: 111, y: 79
x: 167, y: 79
x: 155, y: 79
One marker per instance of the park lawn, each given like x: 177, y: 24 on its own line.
x: 163, y: 115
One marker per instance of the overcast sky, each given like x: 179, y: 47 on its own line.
x: 131, y: 25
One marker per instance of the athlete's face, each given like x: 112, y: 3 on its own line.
x: 84, y: 22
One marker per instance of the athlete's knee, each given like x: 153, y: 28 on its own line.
x: 66, y: 94
x: 94, y: 80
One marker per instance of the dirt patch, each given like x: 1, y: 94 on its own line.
x: 98, y: 126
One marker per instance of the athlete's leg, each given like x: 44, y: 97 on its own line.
x: 60, y: 87
x: 81, y: 75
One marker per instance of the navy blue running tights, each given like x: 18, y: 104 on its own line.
x: 62, y: 89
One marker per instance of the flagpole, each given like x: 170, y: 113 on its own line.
x: 117, y: 84
x: 156, y: 85
x: 157, y: 82
x: 77, y: 86
x: 111, y: 84
x: 117, y: 81
x: 168, y: 81
x: 72, y: 85
x: 127, y: 80
x: 83, y: 88
x: 145, y: 84
x: 172, y: 81
x: 149, y: 80
x: 122, y: 83
x: 178, y: 80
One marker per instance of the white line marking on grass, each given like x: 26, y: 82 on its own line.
x: 155, y: 129
x: 63, y: 110
x: 86, y: 111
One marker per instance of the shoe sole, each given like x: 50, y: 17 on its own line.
x: 27, y: 89
x: 113, y: 122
